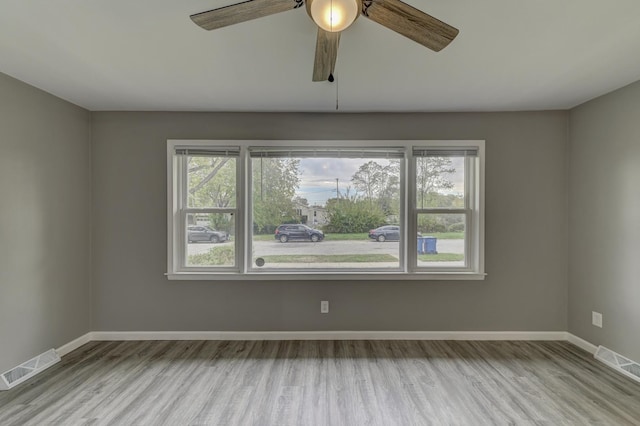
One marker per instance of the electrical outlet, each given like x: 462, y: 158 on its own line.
x: 324, y: 307
x: 596, y: 319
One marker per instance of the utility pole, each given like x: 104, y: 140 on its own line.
x: 337, y: 191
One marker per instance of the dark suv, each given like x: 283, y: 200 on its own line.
x: 285, y: 233
x: 204, y: 233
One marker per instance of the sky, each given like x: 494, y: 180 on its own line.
x: 318, y: 177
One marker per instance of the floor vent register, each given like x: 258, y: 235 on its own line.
x: 26, y: 370
x: 618, y: 362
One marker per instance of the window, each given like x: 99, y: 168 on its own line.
x: 204, y: 208
x: 359, y: 209
x: 446, y: 208
x: 360, y: 190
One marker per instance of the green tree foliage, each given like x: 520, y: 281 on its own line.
x: 432, y: 176
x: 212, y: 182
x: 222, y: 222
x: 275, y: 181
x: 218, y: 256
x: 380, y: 185
x: 352, y: 215
x: 444, y: 201
x: 389, y: 195
x: 428, y: 223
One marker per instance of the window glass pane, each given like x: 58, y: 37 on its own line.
x: 210, y: 239
x: 211, y: 181
x: 440, y: 182
x: 321, y: 212
x: 441, y: 240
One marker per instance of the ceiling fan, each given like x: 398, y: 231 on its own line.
x: 332, y: 17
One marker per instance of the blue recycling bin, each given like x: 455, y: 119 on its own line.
x: 430, y: 244
x: 427, y: 245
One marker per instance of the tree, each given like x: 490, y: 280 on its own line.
x: 275, y: 181
x: 389, y: 196
x: 301, y: 201
x: 212, y: 181
x: 379, y: 184
x: 353, y: 214
x: 368, y: 179
x: 431, y: 176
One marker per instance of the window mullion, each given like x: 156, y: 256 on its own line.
x: 248, y: 211
x: 469, y: 240
x: 470, y: 232
x: 182, y: 232
x: 240, y: 224
x: 184, y: 182
x: 412, y: 222
x: 405, y: 242
x: 182, y: 204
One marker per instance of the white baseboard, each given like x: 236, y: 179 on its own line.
x: 325, y: 335
x: 581, y: 343
x: 74, y: 344
x: 328, y: 335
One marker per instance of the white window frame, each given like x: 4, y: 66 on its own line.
x: 332, y: 148
x: 179, y: 209
x: 473, y: 209
x: 243, y: 270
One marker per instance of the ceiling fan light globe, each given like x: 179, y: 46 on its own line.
x: 334, y: 15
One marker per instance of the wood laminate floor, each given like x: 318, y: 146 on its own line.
x: 325, y: 383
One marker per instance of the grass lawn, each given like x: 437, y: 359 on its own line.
x: 224, y: 255
x: 328, y: 258
x: 265, y: 237
x: 347, y: 237
x: 365, y: 236
x: 441, y: 257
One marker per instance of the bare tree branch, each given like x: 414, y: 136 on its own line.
x: 197, y: 168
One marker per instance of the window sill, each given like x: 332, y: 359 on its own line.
x: 327, y: 276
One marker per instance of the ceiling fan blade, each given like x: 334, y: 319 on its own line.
x: 326, y: 54
x: 240, y: 12
x: 410, y: 22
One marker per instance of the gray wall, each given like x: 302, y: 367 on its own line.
x: 526, y: 244
x: 46, y: 211
x: 605, y: 220
x: 44, y: 222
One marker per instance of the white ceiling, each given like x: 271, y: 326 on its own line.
x: 148, y: 55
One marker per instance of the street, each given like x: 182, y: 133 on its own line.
x: 264, y: 248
